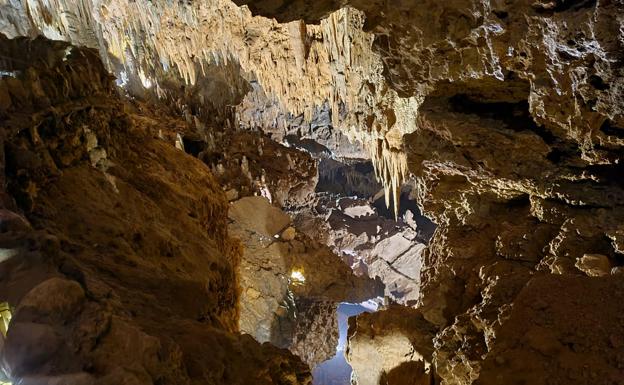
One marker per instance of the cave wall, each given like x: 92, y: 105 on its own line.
x: 117, y: 260
x: 508, y: 114
x: 517, y: 157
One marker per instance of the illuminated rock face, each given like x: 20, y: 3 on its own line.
x: 380, y: 342
x: 516, y: 153
x: 507, y: 114
x: 372, y: 244
x: 290, y: 284
x: 122, y: 269
x: 298, y: 68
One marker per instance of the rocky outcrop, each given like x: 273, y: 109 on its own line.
x: 250, y: 163
x: 381, y: 343
x: 120, y: 269
x: 290, y: 284
x: 373, y: 245
x: 516, y: 153
x: 316, y: 332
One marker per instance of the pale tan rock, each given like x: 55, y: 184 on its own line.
x: 288, y: 287
x: 288, y: 234
x: 231, y: 195
x: 381, y: 342
x: 594, y: 265
x: 258, y: 215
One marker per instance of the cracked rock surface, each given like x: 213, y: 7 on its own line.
x: 278, y: 306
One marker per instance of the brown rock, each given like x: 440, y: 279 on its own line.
x: 288, y: 234
x: 594, y: 265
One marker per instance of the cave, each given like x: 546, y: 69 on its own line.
x: 345, y: 192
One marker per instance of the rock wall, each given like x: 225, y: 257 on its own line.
x: 289, y: 282
x: 516, y: 156
x: 508, y: 114
x: 374, y: 246
x: 380, y: 343
x: 116, y: 256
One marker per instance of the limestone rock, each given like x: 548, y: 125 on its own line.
x: 52, y: 299
x: 257, y: 215
x: 231, y: 195
x: 542, y: 335
x: 371, y: 244
x: 594, y: 265
x: 255, y: 164
x: 509, y: 116
x: 276, y: 309
x: 379, y: 343
x: 136, y: 281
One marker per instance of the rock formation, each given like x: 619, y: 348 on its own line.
x: 381, y: 342
x: 515, y: 155
x: 370, y: 243
x: 290, y: 283
x: 121, y: 267
x: 504, y: 117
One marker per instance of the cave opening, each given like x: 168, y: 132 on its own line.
x: 336, y: 370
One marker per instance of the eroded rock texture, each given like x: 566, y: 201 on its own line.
x: 290, y: 284
x: 373, y: 245
x: 383, y: 342
x: 121, y: 269
x: 516, y: 156
x: 507, y: 114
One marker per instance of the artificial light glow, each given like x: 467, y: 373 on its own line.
x: 297, y: 277
x: 146, y: 81
x: 5, y: 318
x: 12, y: 74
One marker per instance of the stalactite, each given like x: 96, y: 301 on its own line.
x: 299, y: 66
x: 391, y: 170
